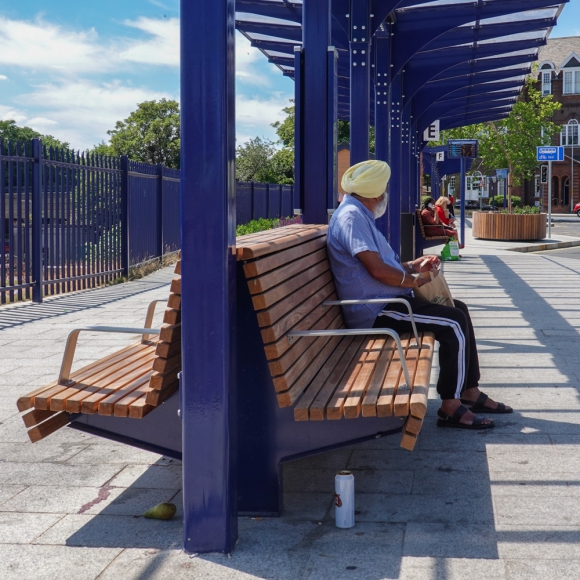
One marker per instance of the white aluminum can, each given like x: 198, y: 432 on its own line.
x: 344, y: 499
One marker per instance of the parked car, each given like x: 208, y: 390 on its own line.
x: 475, y: 205
x: 577, y: 209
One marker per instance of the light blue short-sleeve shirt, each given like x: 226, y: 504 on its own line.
x: 352, y: 230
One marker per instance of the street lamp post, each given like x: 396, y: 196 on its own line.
x: 572, y: 139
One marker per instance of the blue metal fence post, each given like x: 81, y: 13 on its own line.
x: 159, y: 212
x: 395, y: 163
x: 462, y: 190
x: 360, y: 76
x: 208, y: 396
x: 314, y: 148
x: 36, y: 220
x: 125, y: 262
x: 298, y: 197
x: 332, y: 114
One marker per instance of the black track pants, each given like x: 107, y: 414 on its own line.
x: 452, y: 327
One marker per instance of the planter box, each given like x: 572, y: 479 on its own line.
x: 503, y: 226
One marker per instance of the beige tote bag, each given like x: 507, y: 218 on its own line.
x: 437, y: 291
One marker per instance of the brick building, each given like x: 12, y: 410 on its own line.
x: 559, y: 75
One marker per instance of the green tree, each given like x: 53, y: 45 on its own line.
x: 10, y: 131
x: 150, y: 134
x: 253, y: 160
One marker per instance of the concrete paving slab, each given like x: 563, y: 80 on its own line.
x: 537, y: 542
x: 148, y: 476
x: 109, y: 452
x: 41, y: 452
x: 542, y: 569
x: 50, y: 562
x: 104, y: 531
x: 21, y: 528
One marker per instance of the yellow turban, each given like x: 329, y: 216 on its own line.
x: 367, y: 179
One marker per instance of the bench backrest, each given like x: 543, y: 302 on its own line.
x: 167, y: 361
x: 421, y: 225
x: 289, y: 278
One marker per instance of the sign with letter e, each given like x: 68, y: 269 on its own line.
x: 549, y: 153
x: 432, y: 132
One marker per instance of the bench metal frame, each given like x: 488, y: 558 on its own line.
x: 71, y: 342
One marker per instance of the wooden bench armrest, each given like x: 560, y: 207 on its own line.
x: 149, y: 317
x: 380, y: 301
x: 71, y: 344
x: 359, y: 332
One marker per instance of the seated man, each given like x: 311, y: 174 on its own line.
x: 365, y: 266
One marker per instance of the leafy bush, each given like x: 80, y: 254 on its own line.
x: 498, y: 201
x: 262, y: 224
x: 526, y: 210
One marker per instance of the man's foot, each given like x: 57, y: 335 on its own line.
x: 479, y: 402
x: 463, y: 418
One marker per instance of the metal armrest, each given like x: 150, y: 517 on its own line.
x: 358, y: 332
x: 71, y: 344
x: 149, y: 317
x: 380, y: 301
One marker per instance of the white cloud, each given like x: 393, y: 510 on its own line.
x: 3, y: 78
x: 160, y: 48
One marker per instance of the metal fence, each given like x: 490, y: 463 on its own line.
x: 70, y: 221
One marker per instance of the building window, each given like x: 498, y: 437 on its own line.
x: 546, y: 83
x: 572, y: 82
x: 569, y: 134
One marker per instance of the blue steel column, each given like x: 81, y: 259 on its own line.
x: 36, y: 220
x: 332, y: 114
x: 298, y: 124
x: 462, y: 193
x: 208, y: 401
x: 382, y: 82
x: 395, y: 163
x: 360, y: 77
x: 314, y: 147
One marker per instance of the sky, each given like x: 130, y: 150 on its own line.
x: 72, y: 68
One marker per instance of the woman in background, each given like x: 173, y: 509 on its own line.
x: 442, y: 206
x: 433, y: 226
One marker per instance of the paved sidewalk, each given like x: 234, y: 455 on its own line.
x: 502, y: 505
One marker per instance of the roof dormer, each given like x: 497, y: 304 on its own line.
x: 571, y: 74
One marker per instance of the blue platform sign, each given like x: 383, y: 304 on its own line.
x: 550, y: 153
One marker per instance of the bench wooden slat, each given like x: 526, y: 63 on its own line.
x: 157, y: 397
x: 388, y: 392
x: 176, y: 286
x: 403, y: 397
x: 140, y: 408
x: 353, y: 403
x: 318, y: 406
x: 280, y: 275
x: 271, y: 315
x: 172, y: 316
x: 168, y: 349
x: 271, y: 262
x: 118, y: 379
x: 291, y: 320
x: 420, y: 393
x: 92, y: 403
x: 301, y: 345
x: 170, y: 332
x: 164, y: 365
x: 291, y: 396
x: 122, y: 406
x: 369, y: 405
x: 174, y: 302
x: 48, y: 427
x: 285, y: 381
x: 107, y: 404
x: 413, y: 425
x: 408, y: 441
x: 160, y: 381
x: 35, y: 417
x: 280, y: 346
x: 302, y: 408
x: 334, y: 409
x: 279, y: 243
x: 178, y: 267
x: 290, y: 287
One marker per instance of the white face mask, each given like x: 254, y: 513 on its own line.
x: 381, y: 207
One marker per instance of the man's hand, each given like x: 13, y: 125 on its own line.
x: 426, y: 264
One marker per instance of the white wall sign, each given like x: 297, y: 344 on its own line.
x: 440, y: 156
x: 432, y: 132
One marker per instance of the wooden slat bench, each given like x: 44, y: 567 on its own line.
x: 129, y: 383
x: 422, y: 240
x: 318, y: 367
